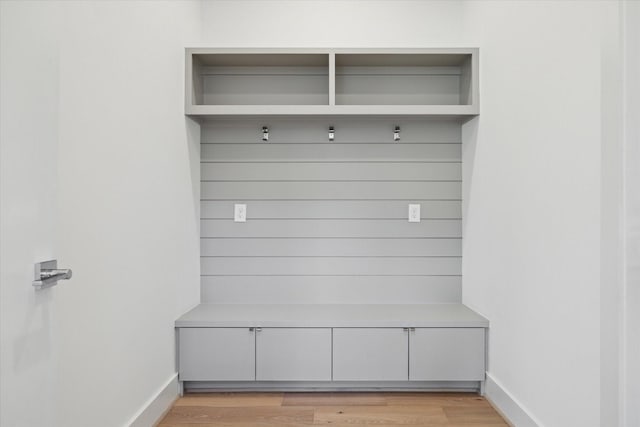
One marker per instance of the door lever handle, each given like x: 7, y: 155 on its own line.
x: 58, y: 274
x: 47, y: 274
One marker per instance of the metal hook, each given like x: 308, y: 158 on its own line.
x: 265, y: 133
x: 332, y: 133
x: 396, y: 134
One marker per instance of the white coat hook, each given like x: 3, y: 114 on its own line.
x: 332, y: 133
x: 265, y: 133
x: 396, y: 134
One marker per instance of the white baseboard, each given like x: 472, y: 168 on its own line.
x: 158, y: 405
x: 510, y: 409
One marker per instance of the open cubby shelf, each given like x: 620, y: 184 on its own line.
x: 438, y: 82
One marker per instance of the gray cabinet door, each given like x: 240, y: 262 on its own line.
x: 216, y: 354
x: 370, y: 354
x: 293, y: 354
x: 447, y: 354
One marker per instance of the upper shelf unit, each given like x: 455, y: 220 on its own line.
x: 267, y: 82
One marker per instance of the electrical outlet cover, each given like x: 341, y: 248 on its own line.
x: 414, y: 213
x: 240, y: 213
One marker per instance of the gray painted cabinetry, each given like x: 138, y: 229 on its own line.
x: 370, y: 354
x: 217, y: 354
x: 316, y: 82
x: 293, y: 354
x: 436, y: 346
x: 415, y: 354
x: 326, y: 284
x: 446, y: 354
x: 331, y: 354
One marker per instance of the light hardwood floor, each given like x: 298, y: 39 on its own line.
x: 334, y: 409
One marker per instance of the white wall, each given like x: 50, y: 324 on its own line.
x: 340, y: 23
x: 534, y: 175
x: 128, y: 215
x: 28, y: 175
x: 103, y: 80
x: 611, y: 217
x: 631, y: 348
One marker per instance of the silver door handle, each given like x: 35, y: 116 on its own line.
x: 58, y: 274
x: 47, y: 274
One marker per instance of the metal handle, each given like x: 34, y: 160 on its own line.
x: 405, y: 329
x: 47, y: 274
x: 258, y: 329
x: 58, y: 274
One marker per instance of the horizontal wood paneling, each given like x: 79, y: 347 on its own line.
x: 331, y: 152
x: 331, y: 228
x: 266, y: 89
x: 416, y: 89
x: 327, y: 221
x: 330, y: 247
x: 279, y: 171
x: 368, y: 266
x: 241, y: 71
x: 394, y: 71
x: 332, y: 190
x: 340, y: 209
x: 330, y: 289
x: 313, y: 130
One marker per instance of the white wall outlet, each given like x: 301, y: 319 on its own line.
x: 414, y: 213
x: 240, y: 213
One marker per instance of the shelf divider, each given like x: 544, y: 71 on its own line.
x: 332, y: 79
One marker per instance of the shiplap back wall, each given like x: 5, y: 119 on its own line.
x: 327, y: 221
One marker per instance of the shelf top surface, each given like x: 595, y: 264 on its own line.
x: 332, y: 315
x: 336, y: 110
x: 366, y: 58
x: 326, y: 51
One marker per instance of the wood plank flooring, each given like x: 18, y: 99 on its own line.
x: 334, y: 409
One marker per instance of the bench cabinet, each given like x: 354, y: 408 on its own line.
x: 332, y: 347
x: 217, y: 354
x: 446, y: 354
x: 293, y: 354
x: 370, y: 354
